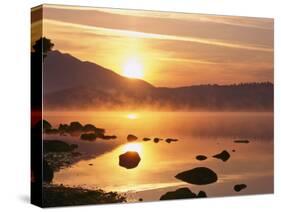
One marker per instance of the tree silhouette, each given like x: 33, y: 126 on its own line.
x: 42, y: 46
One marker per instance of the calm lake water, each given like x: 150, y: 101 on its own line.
x: 198, y: 133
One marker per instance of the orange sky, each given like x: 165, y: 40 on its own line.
x: 173, y: 49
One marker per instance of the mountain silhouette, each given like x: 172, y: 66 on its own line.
x: 70, y: 83
x: 63, y: 71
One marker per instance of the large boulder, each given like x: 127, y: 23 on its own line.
x: 129, y: 160
x: 198, y: 176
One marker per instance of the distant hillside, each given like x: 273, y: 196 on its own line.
x: 63, y: 71
x: 72, y: 84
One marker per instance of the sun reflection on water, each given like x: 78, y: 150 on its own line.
x: 135, y: 147
x: 132, y: 116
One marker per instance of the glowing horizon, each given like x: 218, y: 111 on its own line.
x: 170, y: 51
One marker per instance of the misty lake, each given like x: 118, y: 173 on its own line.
x: 199, y: 133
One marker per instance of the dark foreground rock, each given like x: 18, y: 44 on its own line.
x: 89, y: 128
x: 224, y: 156
x: 51, y: 131
x: 242, y: 141
x: 67, y: 196
x: 75, y: 126
x: 201, y: 194
x: 46, y: 125
x: 108, y: 137
x: 239, y: 187
x: 182, y: 193
x: 131, y: 137
x: 129, y: 160
x: 57, y: 146
x: 201, y: 157
x: 198, y: 176
x: 48, y: 172
x: 59, y: 154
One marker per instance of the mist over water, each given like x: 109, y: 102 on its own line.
x: 206, y: 133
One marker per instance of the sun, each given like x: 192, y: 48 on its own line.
x: 135, y: 147
x: 133, y: 68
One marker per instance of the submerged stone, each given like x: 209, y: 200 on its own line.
x: 224, y: 156
x: 198, y: 176
x: 129, y: 159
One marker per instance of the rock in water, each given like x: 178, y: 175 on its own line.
x: 131, y: 137
x: 198, y: 176
x: 75, y: 126
x: 169, y: 140
x: 89, y: 128
x: 239, y: 187
x: 146, y: 139
x: 242, y: 141
x: 88, y: 136
x: 156, y: 140
x: 108, y: 137
x: 201, y: 157
x: 224, y: 155
x: 181, y: 193
x: 129, y: 159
